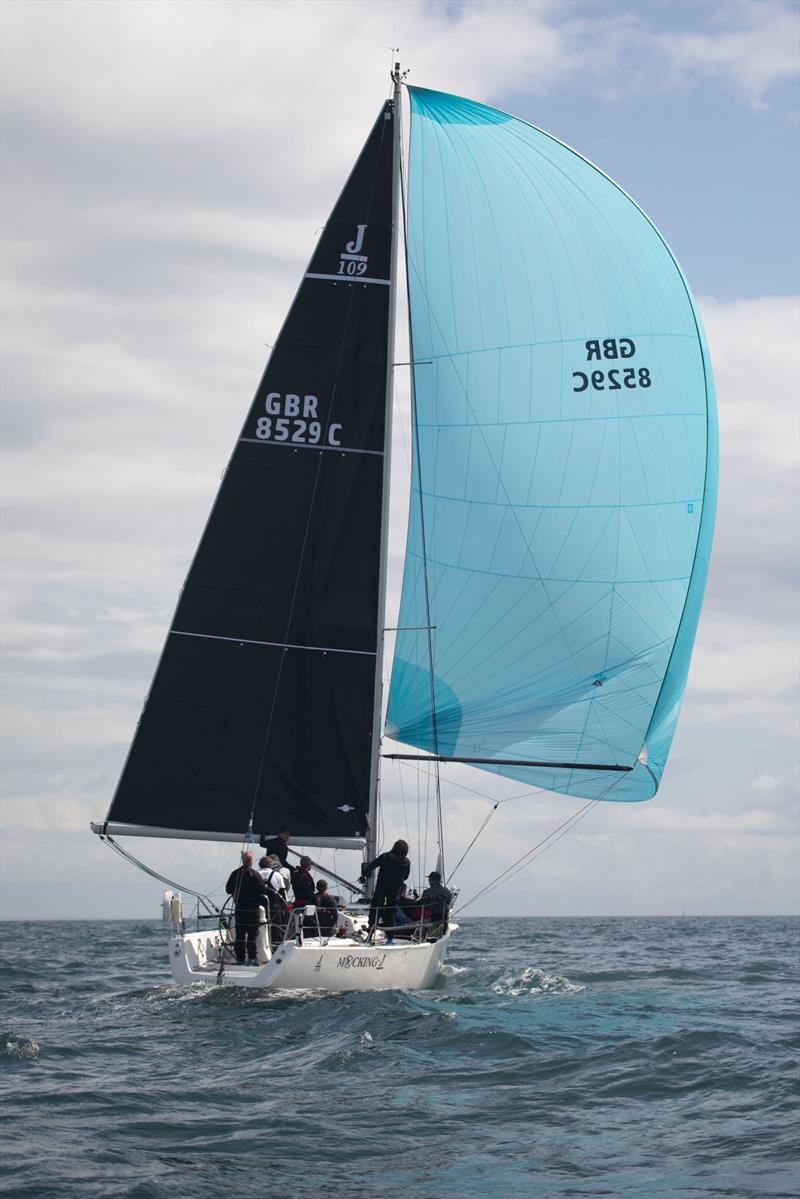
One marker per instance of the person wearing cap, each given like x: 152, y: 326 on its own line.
x: 436, y: 897
x: 303, y: 884
x: 393, y: 870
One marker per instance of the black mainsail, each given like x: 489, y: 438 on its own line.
x: 261, y: 712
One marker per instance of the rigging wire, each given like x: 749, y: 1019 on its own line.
x: 529, y: 857
x: 213, y: 910
x: 542, y: 846
x: 496, y: 803
x: 405, y: 809
x: 482, y: 794
x: 486, y: 820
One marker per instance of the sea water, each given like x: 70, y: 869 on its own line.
x: 557, y: 1057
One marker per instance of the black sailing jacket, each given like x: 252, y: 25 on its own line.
x: 392, y: 873
x: 248, y: 888
x: 276, y: 846
x: 303, y: 886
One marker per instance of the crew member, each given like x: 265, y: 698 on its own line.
x: 327, y: 909
x: 249, y: 893
x: 279, y: 846
x: 269, y: 868
x: 393, y: 870
x: 436, y: 897
x: 404, y: 903
x: 303, y: 884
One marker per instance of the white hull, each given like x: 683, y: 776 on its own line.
x: 336, y: 964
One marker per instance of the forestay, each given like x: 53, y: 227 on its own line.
x: 262, y: 704
x: 566, y: 463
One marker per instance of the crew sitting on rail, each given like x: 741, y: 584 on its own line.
x: 435, y: 899
x: 405, y: 904
x: 327, y: 911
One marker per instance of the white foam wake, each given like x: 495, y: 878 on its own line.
x: 535, y: 982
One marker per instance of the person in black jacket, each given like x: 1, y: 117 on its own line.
x: 279, y: 846
x: 393, y: 870
x: 303, y: 884
x: 327, y: 910
x: 436, y: 898
x: 249, y: 893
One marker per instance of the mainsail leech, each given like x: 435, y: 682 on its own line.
x: 262, y: 702
x: 567, y: 462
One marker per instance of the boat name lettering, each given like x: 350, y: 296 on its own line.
x: 351, y: 262
x: 294, y: 418
x: 349, y: 960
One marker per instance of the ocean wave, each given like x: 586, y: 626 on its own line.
x: 532, y: 981
x: 24, y: 1049
x: 170, y: 1090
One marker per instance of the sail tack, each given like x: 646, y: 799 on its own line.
x: 564, y: 484
x: 263, y: 700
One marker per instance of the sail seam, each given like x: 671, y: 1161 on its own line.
x: 289, y: 445
x: 325, y: 649
x: 345, y: 279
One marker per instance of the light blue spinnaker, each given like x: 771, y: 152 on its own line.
x: 565, y: 473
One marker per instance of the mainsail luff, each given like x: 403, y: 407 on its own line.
x: 261, y: 708
x: 371, y: 846
x: 567, y: 450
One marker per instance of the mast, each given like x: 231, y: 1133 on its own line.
x: 374, y: 782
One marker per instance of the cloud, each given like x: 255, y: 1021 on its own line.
x: 752, y: 44
x: 746, y: 660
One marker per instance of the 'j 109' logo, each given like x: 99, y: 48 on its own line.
x: 351, y: 260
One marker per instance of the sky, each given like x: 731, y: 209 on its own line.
x: 166, y: 168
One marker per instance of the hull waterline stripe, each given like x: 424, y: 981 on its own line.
x: 322, y: 649
x: 297, y: 445
x: 349, y: 279
x: 507, y: 762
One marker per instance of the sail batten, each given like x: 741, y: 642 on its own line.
x: 614, y: 767
x: 565, y: 475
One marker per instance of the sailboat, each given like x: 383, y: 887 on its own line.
x: 563, y: 490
